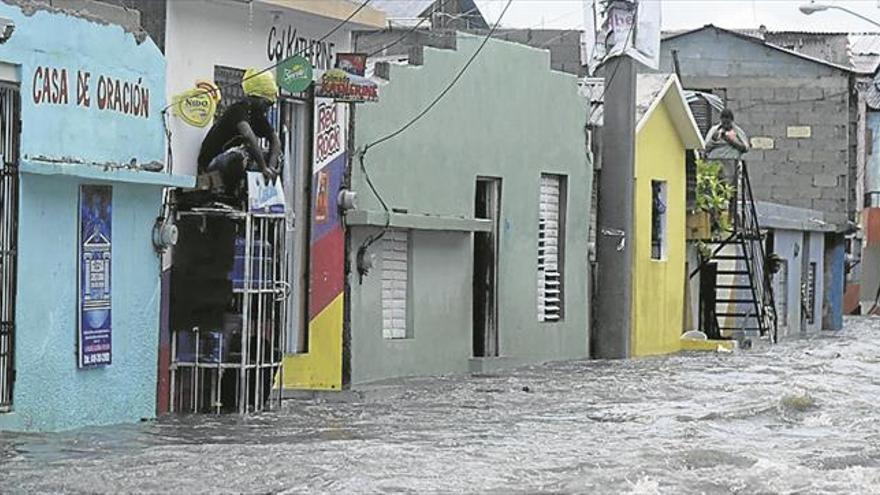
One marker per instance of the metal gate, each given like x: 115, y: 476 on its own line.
x: 9, y: 130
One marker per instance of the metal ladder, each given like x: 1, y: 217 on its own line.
x: 736, y: 298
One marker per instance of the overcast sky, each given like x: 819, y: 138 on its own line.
x: 678, y: 14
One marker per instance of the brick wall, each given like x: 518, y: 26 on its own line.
x: 778, y: 96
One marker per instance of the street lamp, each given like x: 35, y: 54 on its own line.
x: 812, y: 7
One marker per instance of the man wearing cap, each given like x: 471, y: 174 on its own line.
x: 232, y: 145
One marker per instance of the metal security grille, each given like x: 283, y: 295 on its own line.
x: 229, y: 81
x: 810, y: 294
x: 395, y: 283
x: 702, y: 111
x: 9, y: 131
x: 550, y: 256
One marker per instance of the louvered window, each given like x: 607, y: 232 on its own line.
x: 395, y: 284
x: 551, y: 248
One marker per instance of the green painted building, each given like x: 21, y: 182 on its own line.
x: 483, y: 263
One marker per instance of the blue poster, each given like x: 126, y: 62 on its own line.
x: 95, y: 218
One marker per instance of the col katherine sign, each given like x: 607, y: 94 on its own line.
x: 345, y: 87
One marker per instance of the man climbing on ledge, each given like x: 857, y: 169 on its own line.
x: 232, y: 146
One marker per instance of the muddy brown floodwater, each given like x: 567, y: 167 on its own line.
x: 799, y: 417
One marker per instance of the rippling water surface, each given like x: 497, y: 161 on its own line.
x: 799, y: 417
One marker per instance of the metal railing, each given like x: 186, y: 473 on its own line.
x: 241, y: 371
x: 9, y: 129
x: 748, y: 228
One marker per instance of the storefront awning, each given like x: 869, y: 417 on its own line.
x: 106, y: 173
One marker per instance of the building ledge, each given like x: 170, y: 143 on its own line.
x: 366, y: 218
x: 106, y: 173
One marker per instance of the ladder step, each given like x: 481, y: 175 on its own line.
x: 728, y: 257
x: 737, y: 329
x: 731, y: 272
x: 725, y: 286
x: 738, y: 315
x: 734, y: 301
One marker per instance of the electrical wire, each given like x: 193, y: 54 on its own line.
x: 442, y: 93
x: 405, y: 34
x: 363, y: 153
x: 281, y: 61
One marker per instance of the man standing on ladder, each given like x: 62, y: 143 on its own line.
x: 727, y: 143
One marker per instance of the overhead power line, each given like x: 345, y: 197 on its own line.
x: 363, y: 153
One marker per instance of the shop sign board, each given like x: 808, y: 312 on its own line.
x: 294, y: 74
x: 344, y: 87
x: 352, y: 63
x: 95, y: 260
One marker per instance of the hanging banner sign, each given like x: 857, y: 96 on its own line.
x: 197, y: 106
x: 345, y: 87
x: 95, y: 259
x: 352, y: 63
x: 294, y: 75
x: 632, y: 27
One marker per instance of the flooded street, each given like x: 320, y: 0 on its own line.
x: 797, y: 417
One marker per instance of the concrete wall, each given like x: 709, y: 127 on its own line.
x: 658, y: 285
x: 833, y: 47
x: 65, y: 143
x: 152, y: 16
x: 51, y: 393
x: 491, y: 124
x: 771, y: 92
x: 790, y: 246
x: 564, y: 45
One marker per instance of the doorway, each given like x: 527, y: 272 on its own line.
x: 292, y: 125
x: 808, y: 280
x: 487, y: 206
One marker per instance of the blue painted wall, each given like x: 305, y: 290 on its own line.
x: 835, y: 273
x: 92, y: 145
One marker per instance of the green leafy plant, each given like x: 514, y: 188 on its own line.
x: 714, y: 195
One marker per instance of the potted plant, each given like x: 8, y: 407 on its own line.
x: 714, y: 195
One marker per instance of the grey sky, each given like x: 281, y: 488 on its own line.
x: 678, y: 14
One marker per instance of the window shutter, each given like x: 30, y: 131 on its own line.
x: 395, y: 283
x: 549, y: 275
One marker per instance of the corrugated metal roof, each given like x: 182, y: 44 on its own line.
x: 648, y: 86
x: 752, y: 38
x: 864, y: 51
x: 872, y: 95
x: 402, y: 9
x: 863, y: 55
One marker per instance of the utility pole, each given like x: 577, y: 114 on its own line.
x: 615, y: 239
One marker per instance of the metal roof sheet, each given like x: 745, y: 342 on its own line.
x: 402, y: 9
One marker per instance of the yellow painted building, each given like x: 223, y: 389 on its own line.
x: 665, y: 132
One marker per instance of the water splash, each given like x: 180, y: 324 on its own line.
x: 797, y: 417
